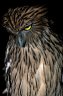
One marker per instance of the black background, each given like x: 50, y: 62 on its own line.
x: 4, y: 5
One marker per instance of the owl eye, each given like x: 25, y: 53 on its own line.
x: 28, y: 28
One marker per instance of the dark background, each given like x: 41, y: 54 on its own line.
x: 4, y: 5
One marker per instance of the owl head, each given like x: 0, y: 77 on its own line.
x: 25, y: 23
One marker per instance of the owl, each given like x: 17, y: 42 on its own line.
x: 34, y: 54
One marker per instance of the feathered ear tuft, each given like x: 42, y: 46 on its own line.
x: 5, y: 18
x: 40, y: 11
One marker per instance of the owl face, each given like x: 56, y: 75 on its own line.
x: 24, y: 23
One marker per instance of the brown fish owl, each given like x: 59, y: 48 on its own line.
x: 34, y: 54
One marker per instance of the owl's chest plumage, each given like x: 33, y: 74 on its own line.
x: 31, y: 73
x: 25, y: 71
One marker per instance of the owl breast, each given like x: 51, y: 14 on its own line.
x: 26, y: 72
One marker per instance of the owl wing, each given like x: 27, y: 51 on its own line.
x: 7, y: 62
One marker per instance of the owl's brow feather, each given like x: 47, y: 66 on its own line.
x: 19, y: 16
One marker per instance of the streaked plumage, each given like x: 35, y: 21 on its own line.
x: 34, y: 55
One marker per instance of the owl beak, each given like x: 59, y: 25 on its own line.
x: 21, y: 39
